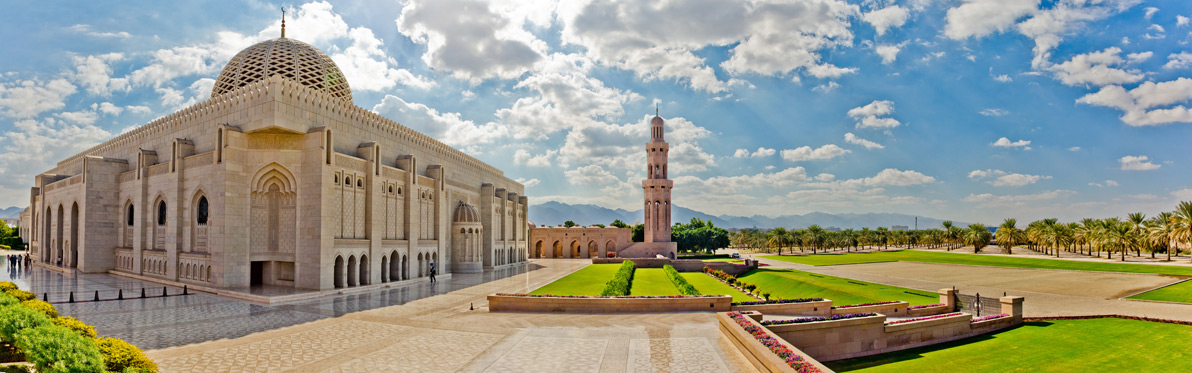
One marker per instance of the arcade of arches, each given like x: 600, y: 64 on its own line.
x: 579, y: 242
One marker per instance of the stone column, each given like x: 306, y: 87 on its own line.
x: 948, y: 298
x: 1012, y: 306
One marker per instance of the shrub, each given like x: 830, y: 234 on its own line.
x: 42, y: 306
x: 121, y: 356
x: 7, y: 300
x: 75, y: 325
x: 15, y: 318
x: 7, y: 285
x: 765, y: 295
x: 681, y: 283
x: 52, y: 348
x: 750, y: 287
x: 21, y: 295
x: 621, y: 282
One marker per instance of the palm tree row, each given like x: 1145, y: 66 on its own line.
x: 1163, y: 233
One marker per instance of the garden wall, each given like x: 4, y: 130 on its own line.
x: 815, y: 308
x: 865, y: 336
x: 520, y: 303
x: 758, y: 354
x: 683, y: 265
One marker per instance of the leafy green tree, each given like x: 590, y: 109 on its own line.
x: 639, y: 233
x: 1009, y: 235
x: 978, y: 236
x: 568, y: 224
x: 699, y: 236
x: 619, y: 224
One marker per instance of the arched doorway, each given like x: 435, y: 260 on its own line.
x: 419, y: 264
x: 339, y: 272
x: 394, y: 267
x: 610, y: 249
x: 593, y: 250
x: 74, y: 236
x: 574, y: 252
x: 46, y: 244
x: 364, y: 270
x: 405, y: 267
x: 58, y: 243
x: 274, y: 197
x: 384, y: 269
x: 558, y: 250
x: 352, y: 270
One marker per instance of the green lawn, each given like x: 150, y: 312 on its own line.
x: 652, y: 281
x: 981, y: 260
x: 1103, y: 345
x: 708, y: 285
x: 788, y: 283
x: 586, y: 281
x: 1181, y: 292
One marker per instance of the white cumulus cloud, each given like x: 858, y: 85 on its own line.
x: 1137, y: 163
x: 807, y: 153
x: 855, y: 140
x: 874, y: 115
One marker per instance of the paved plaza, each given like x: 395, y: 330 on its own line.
x: 417, y: 327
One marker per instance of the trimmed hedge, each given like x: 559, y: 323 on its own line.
x: 21, y: 295
x: 121, y: 356
x: 15, y: 318
x: 619, y: 285
x: 7, y: 285
x: 680, y: 283
x: 42, y: 306
x: 52, y: 348
x: 75, y: 325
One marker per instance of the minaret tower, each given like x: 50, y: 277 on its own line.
x: 657, y: 187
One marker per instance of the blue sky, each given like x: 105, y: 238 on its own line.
x: 971, y: 110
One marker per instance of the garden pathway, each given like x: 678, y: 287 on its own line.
x: 1047, y: 292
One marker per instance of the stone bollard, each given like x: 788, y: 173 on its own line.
x: 45, y: 297
x: 142, y: 293
x: 1012, y: 306
x: 163, y: 291
x: 96, y: 296
x: 71, y: 298
x: 948, y: 298
x: 185, y: 291
x: 120, y: 294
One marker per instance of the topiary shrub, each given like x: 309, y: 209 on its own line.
x: 52, y: 348
x: 121, y: 356
x: 21, y: 295
x: 680, y: 283
x: 75, y: 325
x: 42, y: 306
x: 621, y: 282
x: 15, y: 318
x: 7, y: 285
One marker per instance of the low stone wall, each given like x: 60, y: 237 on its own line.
x: 758, y: 354
x: 928, y: 311
x: 865, y: 336
x: 896, y: 309
x: 516, y: 303
x: 683, y: 265
x: 814, y: 308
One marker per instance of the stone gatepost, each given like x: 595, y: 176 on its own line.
x: 948, y: 298
x: 1013, y: 306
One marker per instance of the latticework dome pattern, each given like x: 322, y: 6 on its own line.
x: 289, y: 58
x: 465, y: 213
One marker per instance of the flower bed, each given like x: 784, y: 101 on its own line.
x: 731, y: 280
x: 922, y: 306
x: 903, y: 321
x: 866, y: 304
x: 779, y: 301
x: 990, y: 317
x: 804, y: 320
x: 775, y: 345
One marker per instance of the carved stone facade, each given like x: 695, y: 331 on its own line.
x: 274, y: 182
x: 579, y: 242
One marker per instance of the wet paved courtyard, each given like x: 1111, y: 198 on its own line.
x: 158, y: 322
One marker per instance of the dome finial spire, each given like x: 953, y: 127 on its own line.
x: 283, y: 22
x: 655, y: 109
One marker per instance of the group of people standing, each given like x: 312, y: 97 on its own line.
x: 15, y: 261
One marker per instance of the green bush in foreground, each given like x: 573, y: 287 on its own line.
x: 52, y: 348
x: 15, y: 318
x: 7, y: 285
x: 8, y: 300
x: 41, y: 306
x: 121, y: 356
x: 21, y: 295
x: 619, y: 285
x: 75, y: 325
x: 680, y: 283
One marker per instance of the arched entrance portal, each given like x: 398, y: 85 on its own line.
x: 558, y: 250
x: 339, y: 272
x: 351, y: 271
x: 394, y: 267
x: 538, y: 250
x: 610, y: 249
x: 74, y: 236
x: 593, y: 250
x: 574, y: 249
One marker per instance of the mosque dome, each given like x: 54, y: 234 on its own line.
x: 465, y: 213
x: 289, y: 58
x: 657, y: 121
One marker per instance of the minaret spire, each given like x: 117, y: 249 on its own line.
x: 283, y: 22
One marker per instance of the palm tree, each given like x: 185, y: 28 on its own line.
x: 1115, y: 235
x: 778, y: 238
x: 1136, y: 228
x: 1008, y: 235
x: 815, y: 236
x: 978, y: 236
x: 1159, y: 233
x: 882, y: 235
x: 948, y: 233
x: 1183, y: 227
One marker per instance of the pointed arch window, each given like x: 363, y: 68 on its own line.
x: 131, y: 213
x: 161, y: 213
x: 201, y: 211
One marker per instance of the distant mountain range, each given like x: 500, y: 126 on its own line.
x: 11, y: 212
x: 555, y: 213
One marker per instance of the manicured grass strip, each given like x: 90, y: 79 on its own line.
x: 1181, y: 292
x: 652, y: 281
x: 789, y: 283
x: 982, y: 260
x: 589, y: 280
x: 710, y: 286
x: 1102, y: 345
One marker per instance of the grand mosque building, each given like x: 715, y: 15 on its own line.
x: 278, y: 179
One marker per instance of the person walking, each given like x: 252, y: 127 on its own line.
x: 432, y: 271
